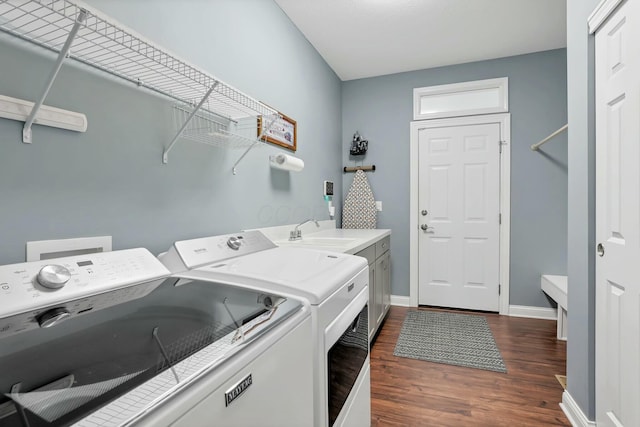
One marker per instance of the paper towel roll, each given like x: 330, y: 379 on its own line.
x: 286, y: 162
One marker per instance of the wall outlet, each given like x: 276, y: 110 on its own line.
x: 379, y: 205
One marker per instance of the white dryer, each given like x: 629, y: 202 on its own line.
x: 110, y: 340
x: 336, y: 285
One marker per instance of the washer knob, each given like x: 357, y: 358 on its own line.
x: 52, y: 317
x: 53, y: 276
x: 234, y: 243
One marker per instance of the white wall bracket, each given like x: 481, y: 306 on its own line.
x: 265, y: 129
x: 62, y: 55
x: 233, y: 169
x: 165, y: 155
x: 19, y: 109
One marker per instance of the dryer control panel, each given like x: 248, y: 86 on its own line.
x: 189, y: 254
x: 49, y: 291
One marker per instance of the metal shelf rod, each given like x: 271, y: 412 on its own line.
x: 359, y: 168
x: 537, y: 145
x: 26, y: 131
x: 165, y: 155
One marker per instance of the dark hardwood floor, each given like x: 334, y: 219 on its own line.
x: 407, y: 392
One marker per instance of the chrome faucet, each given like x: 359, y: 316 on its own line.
x: 296, y: 234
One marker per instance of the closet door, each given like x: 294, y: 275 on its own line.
x: 618, y: 218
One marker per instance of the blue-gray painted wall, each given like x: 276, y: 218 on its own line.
x: 380, y: 108
x: 581, y: 214
x: 111, y: 181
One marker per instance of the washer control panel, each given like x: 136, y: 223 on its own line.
x: 27, y: 287
x: 198, y: 252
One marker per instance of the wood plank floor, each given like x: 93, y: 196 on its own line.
x: 407, y: 392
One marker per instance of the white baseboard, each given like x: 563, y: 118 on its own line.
x: 400, y: 300
x: 576, y: 417
x: 547, y: 313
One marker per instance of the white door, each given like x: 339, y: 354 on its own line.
x: 459, y: 204
x: 618, y: 219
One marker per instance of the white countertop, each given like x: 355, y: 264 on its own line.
x: 327, y: 237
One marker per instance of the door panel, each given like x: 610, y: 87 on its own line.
x: 459, y: 187
x: 439, y: 203
x: 475, y: 193
x: 618, y: 218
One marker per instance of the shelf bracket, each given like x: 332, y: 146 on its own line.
x: 244, y: 154
x: 26, y: 131
x: 259, y: 140
x: 165, y: 155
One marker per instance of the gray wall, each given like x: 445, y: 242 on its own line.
x: 110, y: 180
x: 380, y: 108
x: 581, y: 232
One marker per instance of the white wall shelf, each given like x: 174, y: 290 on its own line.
x: 101, y: 42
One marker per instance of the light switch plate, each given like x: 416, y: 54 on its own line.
x: 379, y: 205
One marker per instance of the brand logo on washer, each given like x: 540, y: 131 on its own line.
x: 237, y: 390
x: 200, y: 250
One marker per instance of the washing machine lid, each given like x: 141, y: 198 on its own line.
x: 117, y: 338
x: 312, y: 274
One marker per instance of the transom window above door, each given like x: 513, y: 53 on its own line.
x: 461, y: 99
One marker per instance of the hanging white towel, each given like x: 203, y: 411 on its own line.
x: 360, y: 206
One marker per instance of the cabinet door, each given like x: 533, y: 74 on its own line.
x: 378, y: 296
x: 386, y: 284
x: 378, y: 299
x: 373, y: 314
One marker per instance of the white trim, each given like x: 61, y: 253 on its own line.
x: 576, y: 417
x: 400, y: 300
x: 505, y: 197
x: 501, y: 85
x: 20, y: 109
x: 600, y: 14
x: 530, y: 312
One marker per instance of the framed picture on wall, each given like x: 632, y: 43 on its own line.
x: 282, y: 132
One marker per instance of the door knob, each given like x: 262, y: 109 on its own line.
x: 425, y: 227
x: 424, y: 212
x: 600, y: 249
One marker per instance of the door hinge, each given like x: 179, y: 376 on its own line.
x: 499, y: 218
x: 499, y: 289
x: 500, y: 144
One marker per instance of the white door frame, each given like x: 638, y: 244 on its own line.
x: 504, y: 120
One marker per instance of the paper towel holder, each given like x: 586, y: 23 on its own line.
x: 286, y: 162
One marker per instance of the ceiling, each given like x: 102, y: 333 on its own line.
x: 365, y: 38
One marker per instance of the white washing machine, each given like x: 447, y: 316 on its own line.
x: 336, y: 285
x: 110, y: 340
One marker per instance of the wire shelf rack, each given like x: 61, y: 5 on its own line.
x: 221, y: 115
x: 107, y: 45
x: 211, y: 129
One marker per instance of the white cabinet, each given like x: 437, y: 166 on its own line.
x: 378, y: 256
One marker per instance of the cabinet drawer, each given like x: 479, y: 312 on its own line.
x: 368, y: 253
x: 383, y: 246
